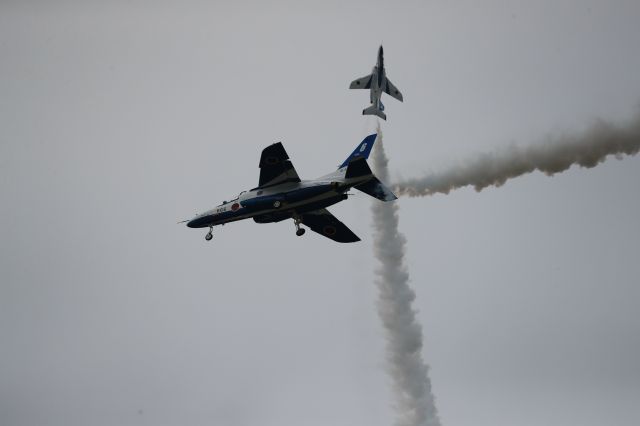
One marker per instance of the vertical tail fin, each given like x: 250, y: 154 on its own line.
x: 357, y: 167
x: 362, y: 150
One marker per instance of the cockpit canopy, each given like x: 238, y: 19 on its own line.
x: 232, y: 201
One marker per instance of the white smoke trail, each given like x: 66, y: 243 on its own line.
x: 410, y: 374
x: 555, y: 155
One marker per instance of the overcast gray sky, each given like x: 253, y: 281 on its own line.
x: 119, y: 119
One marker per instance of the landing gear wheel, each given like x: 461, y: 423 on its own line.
x: 296, y: 222
x: 209, y: 235
x: 277, y: 204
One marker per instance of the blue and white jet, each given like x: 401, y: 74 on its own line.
x: 377, y: 83
x: 282, y: 195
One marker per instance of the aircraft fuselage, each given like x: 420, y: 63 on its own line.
x: 279, y: 202
x: 377, y: 82
x: 281, y: 194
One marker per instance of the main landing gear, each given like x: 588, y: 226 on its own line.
x: 299, y: 231
x: 209, y: 235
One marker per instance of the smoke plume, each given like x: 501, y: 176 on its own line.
x: 553, y: 156
x: 414, y: 399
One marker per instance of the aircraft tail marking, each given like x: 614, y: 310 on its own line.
x: 362, y: 150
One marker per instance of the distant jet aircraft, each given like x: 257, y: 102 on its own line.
x: 377, y: 82
x: 282, y: 195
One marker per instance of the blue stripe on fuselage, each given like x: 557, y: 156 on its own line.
x: 257, y: 205
x: 215, y: 218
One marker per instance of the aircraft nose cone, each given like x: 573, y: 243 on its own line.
x: 199, y: 222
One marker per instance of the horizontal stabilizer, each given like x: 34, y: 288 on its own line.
x: 376, y: 189
x: 373, y: 110
x: 357, y: 168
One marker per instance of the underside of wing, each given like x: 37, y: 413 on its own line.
x: 275, y: 166
x: 392, y: 90
x: 326, y: 224
x: 362, y: 83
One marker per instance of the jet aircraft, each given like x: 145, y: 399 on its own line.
x: 282, y: 195
x: 377, y: 82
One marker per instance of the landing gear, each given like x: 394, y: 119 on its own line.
x: 296, y: 221
x: 209, y: 235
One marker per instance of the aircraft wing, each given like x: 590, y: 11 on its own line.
x: 362, y: 83
x: 392, y: 90
x: 326, y: 224
x: 275, y: 166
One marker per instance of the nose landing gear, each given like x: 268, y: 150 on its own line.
x: 209, y: 235
x: 296, y: 221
